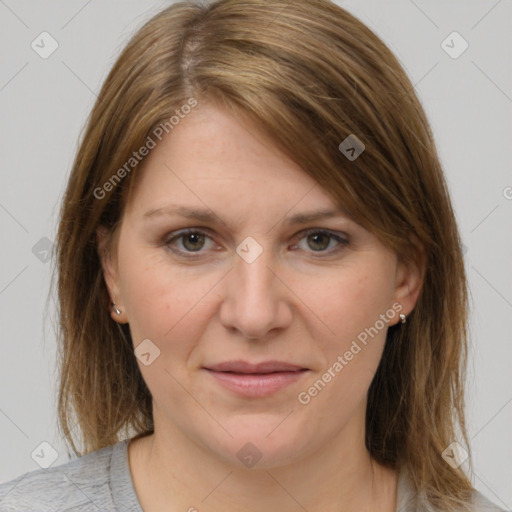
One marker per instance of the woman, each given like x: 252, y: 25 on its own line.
x: 262, y: 294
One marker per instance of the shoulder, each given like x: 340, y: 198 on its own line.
x: 482, y: 504
x: 410, y: 501
x: 80, y: 484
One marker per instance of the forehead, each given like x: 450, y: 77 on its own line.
x: 213, y: 159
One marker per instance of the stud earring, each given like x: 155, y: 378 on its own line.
x: 117, y: 311
x: 403, y: 318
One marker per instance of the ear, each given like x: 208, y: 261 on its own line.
x: 108, y: 259
x: 409, y: 281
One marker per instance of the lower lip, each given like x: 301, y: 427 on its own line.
x: 256, y: 385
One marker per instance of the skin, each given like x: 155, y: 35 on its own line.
x: 300, y: 301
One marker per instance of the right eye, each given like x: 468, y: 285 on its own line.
x: 190, y: 240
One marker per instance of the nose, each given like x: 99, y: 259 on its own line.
x: 256, y: 300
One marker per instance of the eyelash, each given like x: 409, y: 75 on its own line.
x: 342, y: 242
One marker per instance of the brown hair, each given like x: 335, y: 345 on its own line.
x: 309, y: 74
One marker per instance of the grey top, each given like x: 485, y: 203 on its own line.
x: 101, y: 481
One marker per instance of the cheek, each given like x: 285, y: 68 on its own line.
x: 347, y: 301
x: 352, y: 309
x: 163, y: 301
x: 351, y: 333
x: 170, y: 307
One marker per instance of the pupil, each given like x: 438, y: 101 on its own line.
x: 320, y: 235
x: 195, y: 238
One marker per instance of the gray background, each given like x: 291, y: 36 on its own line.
x: 44, y: 104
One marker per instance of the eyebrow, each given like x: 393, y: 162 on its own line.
x: 205, y: 215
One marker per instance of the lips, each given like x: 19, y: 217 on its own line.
x: 255, y: 380
x: 255, y: 368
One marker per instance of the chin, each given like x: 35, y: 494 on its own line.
x: 261, y: 445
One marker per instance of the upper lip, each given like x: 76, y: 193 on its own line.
x: 246, y: 367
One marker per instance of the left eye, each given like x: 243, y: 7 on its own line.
x: 320, y: 240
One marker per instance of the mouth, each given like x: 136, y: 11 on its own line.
x: 264, y: 367
x: 255, y: 380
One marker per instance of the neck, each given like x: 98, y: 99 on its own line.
x: 172, y: 472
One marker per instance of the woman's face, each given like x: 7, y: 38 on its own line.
x: 250, y: 283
